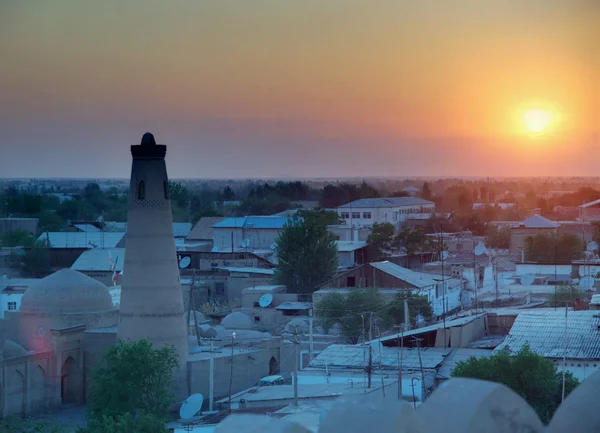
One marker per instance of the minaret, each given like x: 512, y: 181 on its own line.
x: 151, y: 304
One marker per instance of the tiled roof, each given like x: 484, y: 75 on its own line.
x: 545, y: 332
x: 253, y: 222
x: 417, y: 279
x: 387, y: 202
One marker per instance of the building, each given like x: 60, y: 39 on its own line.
x: 589, y: 211
x: 151, y: 305
x: 545, y: 333
x: 65, y: 247
x: 102, y: 264
x: 351, y: 253
x: 411, y: 190
x: 11, y: 292
x: 247, y: 233
x: 202, y: 230
x: 394, y: 210
x: 343, y: 232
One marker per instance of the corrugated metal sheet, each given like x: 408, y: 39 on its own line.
x: 387, y: 202
x: 346, y: 246
x: 461, y: 321
x: 261, y: 271
x: 98, y: 259
x: 253, y: 222
x: 82, y: 239
x: 352, y: 357
x: 417, y: 279
x: 90, y: 228
x: 545, y: 332
x: 537, y: 222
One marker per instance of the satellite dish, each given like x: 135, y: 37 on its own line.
x: 479, y: 250
x: 527, y: 280
x: 265, y: 300
x: 191, y: 406
x: 587, y: 282
x: 592, y: 246
x: 245, y: 243
x: 445, y: 255
x: 185, y: 262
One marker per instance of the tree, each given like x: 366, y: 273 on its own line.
x: 33, y: 261
x: 548, y: 248
x: 353, y: 312
x: 135, y: 379
x: 380, y: 240
x: 497, y: 237
x: 418, y: 305
x: 127, y: 423
x: 413, y: 241
x: 321, y: 216
x: 306, y: 255
x: 566, y: 294
x: 426, y: 191
x: 17, y: 238
x: 530, y: 375
x: 17, y: 425
x: 228, y: 193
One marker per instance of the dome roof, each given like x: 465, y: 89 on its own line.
x: 13, y: 350
x: 237, y: 320
x: 66, y: 291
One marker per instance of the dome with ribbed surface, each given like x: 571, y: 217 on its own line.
x: 66, y: 291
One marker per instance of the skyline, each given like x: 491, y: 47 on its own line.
x: 310, y: 90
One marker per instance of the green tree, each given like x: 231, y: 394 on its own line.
x: 566, y: 294
x: 426, y: 191
x: 418, y: 305
x: 17, y: 238
x: 306, y: 255
x: 17, y: 425
x: 134, y: 379
x: 530, y: 375
x: 548, y: 248
x: 126, y: 423
x: 413, y: 241
x: 34, y: 261
x: 353, y: 312
x: 497, y: 237
x: 380, y: 240
x: 320, y: 216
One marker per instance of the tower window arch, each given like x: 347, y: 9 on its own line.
x: 166, y: 188
x: 141, y: 190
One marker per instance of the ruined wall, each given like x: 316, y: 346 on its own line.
x: 458, y: 406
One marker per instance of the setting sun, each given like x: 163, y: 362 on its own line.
x: 537, y: 121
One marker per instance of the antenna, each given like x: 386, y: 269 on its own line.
x: 265, y: 300
x: 191, y: 406
x: 184, y: 262
x: 527, y: 280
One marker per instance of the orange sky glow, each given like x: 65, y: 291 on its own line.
x: 308, y: 88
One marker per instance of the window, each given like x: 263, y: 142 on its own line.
x: 356, y: 215
x: 142, y: 190
x: 345, y: 215
x: 256, y: 304
x: 166, y: 188
x: 12, y: 306
x: 220, y: 288
x: 350, y: 282
x: 257, y: 319
x: 367, y: 215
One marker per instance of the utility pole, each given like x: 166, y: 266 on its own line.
x: 443, y: 284
x: 295, y: 341
x: 211, y: 379
x: 495, y: 267
x: 370, y: 366
x: 231, y: 371
x: 400, y: 359
x: 310, y: 335
x: 418, y: 340
x: 565, y: 352
x: 370, y: 372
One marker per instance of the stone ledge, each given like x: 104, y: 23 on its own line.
x: 458, y: 406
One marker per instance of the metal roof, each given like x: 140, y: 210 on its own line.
x: 98, y: 259
x: 545, y: 332
x: 247, y: 270
x: 294, y: 306
x: 82, y: 239
x: 595, y: 300
x: 253, y: 222
x: 203, y: 228
x: 90, y: 228
x: 417, y: 279
x: 537, y: 222
x: 181, y: 230
x: 387, y: 202
x: 460, y: 321
x: 590, y: 204
x: 346, y: 246
x: 356, y: 357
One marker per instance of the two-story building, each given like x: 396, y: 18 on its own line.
x: 247, y: 233
x: 394, y: 210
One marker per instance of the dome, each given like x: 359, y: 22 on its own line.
x: 297, y: 326
x: 237, y: 320
x: 66, y: 291
x: 13, y: 350
x: 198, y: 315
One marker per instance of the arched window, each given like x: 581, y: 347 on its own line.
x: 142, y: 191
x: 166, y: 188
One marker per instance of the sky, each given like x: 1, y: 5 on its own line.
x: 311, y: 88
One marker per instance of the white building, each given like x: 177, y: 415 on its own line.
x: 11, y: 292
x: 395, y: 210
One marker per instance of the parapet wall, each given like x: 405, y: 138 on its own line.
x: 457, y: 406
